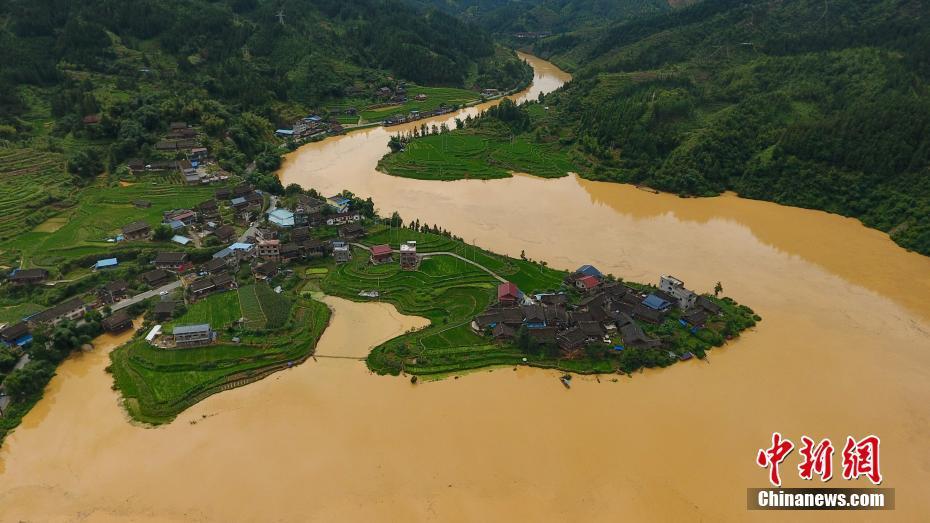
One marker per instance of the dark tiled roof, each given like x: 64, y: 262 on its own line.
x: 116, y: 286
x: 225, y: 231
x: 706, y: 304
x: 23, y: 274
x: 115, y: 320
x: 571, y: 339
x: 58, y: 310
x: 165, y: 307
x: 202, y: 285
x: 135, y: 227
x: 154, y: 276
x: 15, y: 331
x: 215, y: 264
x: 171, y: 257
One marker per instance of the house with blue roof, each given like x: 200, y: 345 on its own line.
x: 281, y: 217
x: 339, y: 203
x: 656, y: 303
x: 106, y: 264
x: 589, y: 270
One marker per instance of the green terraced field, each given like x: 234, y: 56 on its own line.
x: 220, y: 310
x: 447, y: 291
x: 158, y: 384
x: 466, y: 154
x: 99, y: 214
x: 34, y: 185
x: 252, y: 308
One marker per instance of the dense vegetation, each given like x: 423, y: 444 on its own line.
x: 815, y: 104
x: 821, y: 105
x: 493, y: 146
x: 543, y: 16
x: 234, y: 68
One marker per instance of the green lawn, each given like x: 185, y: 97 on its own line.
x: 466, y: 154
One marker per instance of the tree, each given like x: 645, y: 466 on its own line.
x: 30, y: 380
x: 162, y: 232
x: 718, y: 288
x: 86, y: 163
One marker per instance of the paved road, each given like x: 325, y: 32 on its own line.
x: 145, y: 295
x: 444, y: 253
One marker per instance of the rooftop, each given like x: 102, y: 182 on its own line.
x: 191, y: 329
x: 108, y: 262
x: 380, y: 250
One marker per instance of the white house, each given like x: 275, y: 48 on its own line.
x: 676, y: 288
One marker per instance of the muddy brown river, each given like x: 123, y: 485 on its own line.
x: 844, y: 349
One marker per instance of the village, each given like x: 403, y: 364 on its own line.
x: 232, y: 274
x: 606, y: 313
x: 264, y: 247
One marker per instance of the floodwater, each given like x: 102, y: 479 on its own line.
x: 843, y: 349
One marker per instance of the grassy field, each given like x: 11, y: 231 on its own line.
x: 465, y: 154
x: 98, y: 214
x: 158, y: 384
x: 445, y: 290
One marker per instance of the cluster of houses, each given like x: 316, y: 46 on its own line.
x: 407, y: 255
x: 606, y: 311
x: 415, y: 115
x: 310, y: 128
x: 182, y: 140
x: 285, y: 239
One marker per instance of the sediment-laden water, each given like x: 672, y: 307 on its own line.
x: 844, y: 348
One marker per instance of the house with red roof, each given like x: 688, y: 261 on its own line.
x: 509, y: 294
x: 381, y: 254
x: 587, y: 283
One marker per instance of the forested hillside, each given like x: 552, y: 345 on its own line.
x: 237, y: 67
x: 809, y: 103
x: 505, y: 17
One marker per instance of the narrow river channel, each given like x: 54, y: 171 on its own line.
x: 844, y: 349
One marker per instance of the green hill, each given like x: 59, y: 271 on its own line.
x: 553, y: 16
x: 816, y: 104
